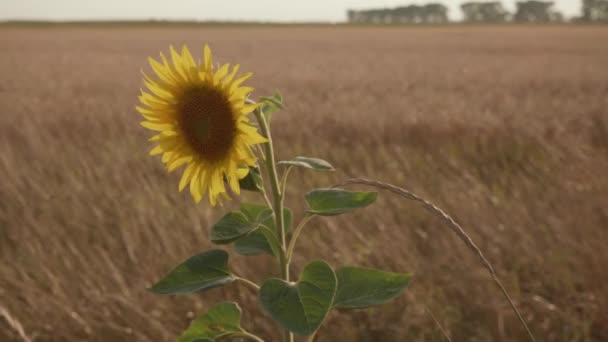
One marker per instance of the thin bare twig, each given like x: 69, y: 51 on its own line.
x: 456, y: 228
x: 14, y: 324
x: 445, y: 334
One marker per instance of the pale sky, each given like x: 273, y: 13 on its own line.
x: 250, y: 10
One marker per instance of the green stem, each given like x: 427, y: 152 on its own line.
x: 248, y: 335
x: 284, y: 181
x: 263, y: 191
x: 272, y: 237
x: 277, y: 198
x: 296, y: 234
x: 276, y: 189
x: 249, y: 283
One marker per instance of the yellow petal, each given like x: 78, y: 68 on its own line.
x: 239, y: 80
x: 233, y: 179
x: 195, y: 188
x: 251, y: 136
x: 230, y: 77
x: 156, y: 88
x: 216, y: 186
x: 156, y: 151
x: 189, y: 64
x: 241, y: 93
x: 203, y: 181
x: 169, y: 143
x: 155, y: 115
x: 160, y: 70
x: 163, y: 135
x: 208, y: 58
x: 220, y: 74
x: 155, y: 126
x: 178, y: 162
x: 246, y: 157
x: 242, y: 172
x: 154, y: 102
x: 186, y: 176
x: 249, y: 108
x: 171, y: 69
x: 167, y: 156
x: 187, y: 57
x: 177, y: 62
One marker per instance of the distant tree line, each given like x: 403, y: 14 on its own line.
x: 595, y: 11
x: 526, y: 12
x: 431, y: 13
x: 530, y: 11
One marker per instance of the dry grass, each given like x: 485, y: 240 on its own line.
x: 504, y: 127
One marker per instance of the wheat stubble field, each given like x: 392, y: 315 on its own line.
x: 506, y: 128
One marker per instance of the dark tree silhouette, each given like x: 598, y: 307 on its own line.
x: 413, y: 14
x: 484, y: 12
x: 595, y: 11
x: 536, y: 12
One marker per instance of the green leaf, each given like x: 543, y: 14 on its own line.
x: 310, y: 163
x: 255, y: 243
x: 253, y: 180
x: 328, y: 202
x: 199, y: 273
x: 230, y: 227
x: 221, y: 320
x: 362, y: 287
x: 259, y: 241
x: 271, y: 104
x: 301, y: 307
x: 256, y: 212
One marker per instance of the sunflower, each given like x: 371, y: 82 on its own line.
x: 200, y: 116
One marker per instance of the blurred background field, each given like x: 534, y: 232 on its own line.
x: 506, y: 128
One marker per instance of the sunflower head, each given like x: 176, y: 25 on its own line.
x: 200, y: 118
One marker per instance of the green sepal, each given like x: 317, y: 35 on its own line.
x: 253, y: 180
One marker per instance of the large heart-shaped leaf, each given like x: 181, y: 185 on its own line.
x: 220, y: 320
x: 231, y: 227
x: 302, y: 306
x: 201, y: 272
x: 362, y: 287
x: 260, y: 241
x: 309, y: 163
x: 328, y: 202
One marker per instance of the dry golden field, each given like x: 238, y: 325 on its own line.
x: 506, y: 128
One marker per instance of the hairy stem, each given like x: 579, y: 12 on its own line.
x: 456, y: 228
x: 277, y: 198
x: 276, y: 190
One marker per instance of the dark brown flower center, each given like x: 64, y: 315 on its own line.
x: 205, y: 118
